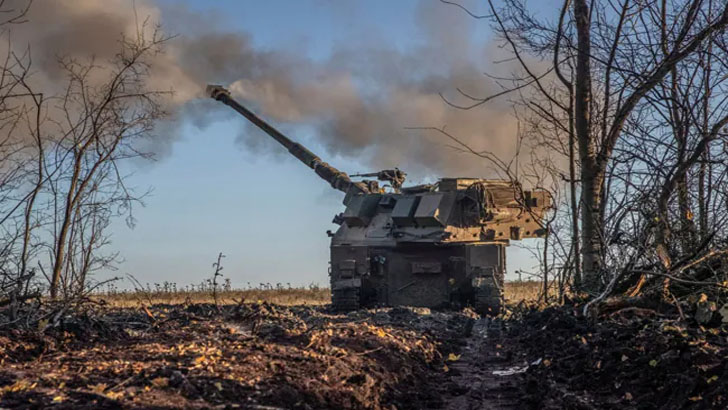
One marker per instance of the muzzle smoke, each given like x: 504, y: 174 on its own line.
x: 358, y: 101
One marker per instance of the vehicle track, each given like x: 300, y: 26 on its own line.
x: 474, y: 384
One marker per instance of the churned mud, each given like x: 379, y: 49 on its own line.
x: 629, y: 359
x: 250, y: 356
x: 263, y: 356
x: 485, y: 376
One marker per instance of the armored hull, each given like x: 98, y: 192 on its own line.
x: 431, y: 246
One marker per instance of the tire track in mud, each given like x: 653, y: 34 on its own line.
x: 473, y: 385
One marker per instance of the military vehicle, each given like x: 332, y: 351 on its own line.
x: 427, y: 245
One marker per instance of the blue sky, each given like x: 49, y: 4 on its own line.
x: 268, y: 213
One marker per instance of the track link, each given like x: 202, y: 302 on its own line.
x: 345, y: 300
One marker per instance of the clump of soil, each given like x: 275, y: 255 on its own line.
x: 632, y: 359
x: 248, y: 355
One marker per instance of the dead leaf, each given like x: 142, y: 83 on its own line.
x: 452, y: 357
x: 98, y: 388
x: 160, y: 382
x: 151, y: 316
x: 18, y: 386
x: 115, y: 395
x: 42, y: 324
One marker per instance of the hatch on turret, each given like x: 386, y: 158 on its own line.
x: 361, y: 209
x: 434, y: 209
x: 403, y: 213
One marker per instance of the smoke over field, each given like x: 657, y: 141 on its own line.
x: 359, y: 100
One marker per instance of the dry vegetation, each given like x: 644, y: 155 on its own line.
x: 288, y: 296
x: 527, y: 290
x: 170, y: 294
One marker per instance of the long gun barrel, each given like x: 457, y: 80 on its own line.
x: 337, y: 179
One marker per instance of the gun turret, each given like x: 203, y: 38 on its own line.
x: 337, y: 179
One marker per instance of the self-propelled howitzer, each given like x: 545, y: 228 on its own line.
x: 427, y: 245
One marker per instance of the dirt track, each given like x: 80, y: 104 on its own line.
x: 258, y: 356
x: 473, y: 373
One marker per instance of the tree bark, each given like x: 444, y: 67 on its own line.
x: 60, y: 251
x: 592, y: 170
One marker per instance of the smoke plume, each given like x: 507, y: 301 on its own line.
x: 359, y: 101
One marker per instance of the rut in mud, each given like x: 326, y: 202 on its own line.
x: 483, y: 377
x: 257, y: 355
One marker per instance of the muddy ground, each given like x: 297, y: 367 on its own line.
x: 251, y: 356
x: 263, y: 356
x: 632, y: 358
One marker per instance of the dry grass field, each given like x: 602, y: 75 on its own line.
x: 527, y: 290
x: 515, y: 292
x: 284, y: 297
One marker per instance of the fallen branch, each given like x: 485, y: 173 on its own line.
x: 7, y: 302
x: 680, y: 280
x: 713, y: 253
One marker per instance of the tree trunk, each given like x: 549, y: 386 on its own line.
x: 703, y: 197
x: 60, y: 251
x: 592, y: 177
x: 546, y: 265
x: 574, y: 201
x: 592, y: 170
x: 688, y: 231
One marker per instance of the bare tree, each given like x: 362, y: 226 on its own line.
x: 61, y: 177
x: 101, y: 124
x: 610, y: 66
x: 16, y: 167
